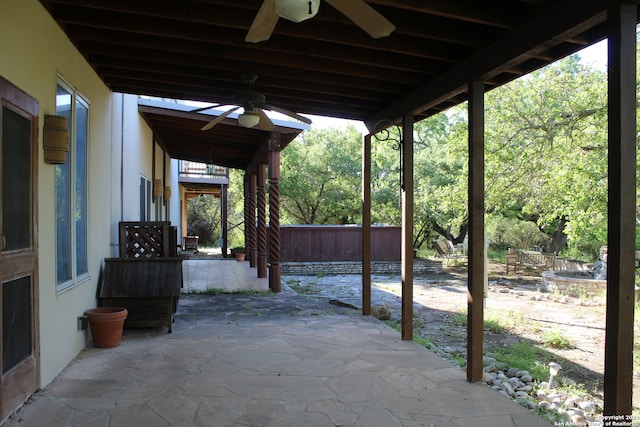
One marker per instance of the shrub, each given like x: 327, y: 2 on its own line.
x: 506, y: 233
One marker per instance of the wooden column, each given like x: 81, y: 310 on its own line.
x: 247, y: 209
x: 223, y: 219
x: 274, y: 212
x: 366, y: 225
x: 407, y: 228
x: 262, y: 223
x: 618, y: 357
x: 476, y: 270
x: 252, y: 239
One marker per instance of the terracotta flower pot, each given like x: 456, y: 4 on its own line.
x: 106, y: 325
x: 240, y: 256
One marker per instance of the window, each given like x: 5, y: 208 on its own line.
x: 145, y: 199
x: 71, y: 191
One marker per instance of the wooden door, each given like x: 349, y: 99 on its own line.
x: 19, y: 364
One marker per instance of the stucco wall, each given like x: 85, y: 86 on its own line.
x: 33, y: 52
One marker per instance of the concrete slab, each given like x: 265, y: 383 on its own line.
x: 225, y: 275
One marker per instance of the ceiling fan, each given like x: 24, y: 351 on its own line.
x: 254, y: 105
x: 363, y: 15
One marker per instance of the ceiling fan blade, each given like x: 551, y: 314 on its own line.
x: 264, y: 23
x: 288, y: 113
x: 218, y: 119
x: 197, y: 110
x: 265, y: 122
x: 364, y: 16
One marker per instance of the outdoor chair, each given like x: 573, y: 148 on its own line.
x: 445, y: 249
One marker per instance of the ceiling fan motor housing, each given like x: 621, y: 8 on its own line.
x: 297, y: 10
x: 249, y: 100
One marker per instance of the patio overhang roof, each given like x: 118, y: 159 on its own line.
x: 195, y: 49
x: 178, y: 131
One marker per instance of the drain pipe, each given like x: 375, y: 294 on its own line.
x: 122, y: 158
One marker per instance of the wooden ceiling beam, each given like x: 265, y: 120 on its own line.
x: 226, y: 27
x: 228, y: 85
x: 497, y: 16
x: 274, y: 86
x: 224, y: 44
x: 345, y: 111
x: 241, y: 15
x: 289, y: 96
x: 330, y: 69
x: 541, y: 33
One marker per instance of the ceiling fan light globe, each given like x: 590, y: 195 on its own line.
x: 248, y: 119
x: 297, y: 10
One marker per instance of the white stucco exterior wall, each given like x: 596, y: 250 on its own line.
x: 33, y: 53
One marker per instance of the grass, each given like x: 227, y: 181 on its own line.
x: 496, y: 255
x: 497, y: 321
x: 208, y: 291
x: 525, y: 356
x: 459, y: 319
x: 301, y: 289
x: 555, y: 339
x: 423, y: 341
x: 220, y: 291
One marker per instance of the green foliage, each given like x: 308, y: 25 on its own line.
x: 555, y: 339
x: 235, y: 209
x: 321, y: 178
x: 504, y: 232
x: 546, y: 151
x: 525, y: 356
x: 203, y: 219
x: 545, y: 167
x: 459, y: 319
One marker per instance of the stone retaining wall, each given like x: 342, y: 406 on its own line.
x: 420, y: 266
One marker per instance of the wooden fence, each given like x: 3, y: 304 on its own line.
x: 328, y: 243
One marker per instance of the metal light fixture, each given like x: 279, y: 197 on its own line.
x: 554, y: 370
x: 297, y: 10
x: 248, y: 119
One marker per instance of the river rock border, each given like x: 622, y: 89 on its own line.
x: 571, y: 408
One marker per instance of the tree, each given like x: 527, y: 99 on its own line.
x: 546, y: 147
x: 321, y: 177
x: 203, y: 219
x: 545, y: 163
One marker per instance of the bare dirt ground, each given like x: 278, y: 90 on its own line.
x: 534, y: 316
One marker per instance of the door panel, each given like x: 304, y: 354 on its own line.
x: 19, y: 361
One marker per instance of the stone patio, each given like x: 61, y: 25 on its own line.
x: 267, y: 360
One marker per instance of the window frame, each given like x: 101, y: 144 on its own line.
x: 75, y: 277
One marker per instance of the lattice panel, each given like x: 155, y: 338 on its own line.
x: 144, y: 239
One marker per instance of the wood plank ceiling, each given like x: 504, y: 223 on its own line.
x: 195, y: 50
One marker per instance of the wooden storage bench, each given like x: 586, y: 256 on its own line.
x: 148, y: 288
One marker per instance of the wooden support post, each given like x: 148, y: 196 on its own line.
x: 223, y: 220
x: 407, y: 228
x: 476, y: 270
x: 252, y: 238
x: 366, y: 225
x: 274, y: 213
x: 262, y: 223
x: 247, y: 209
x: 618, y: 357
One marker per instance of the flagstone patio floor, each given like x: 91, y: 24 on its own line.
x: 260, y: 359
